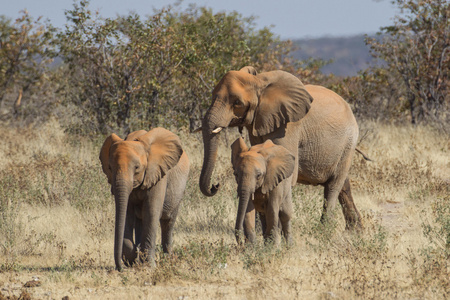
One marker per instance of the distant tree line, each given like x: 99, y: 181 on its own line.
x: 126, y: 73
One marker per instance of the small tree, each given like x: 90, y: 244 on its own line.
x: 25, y: 50
x: 416, y: 48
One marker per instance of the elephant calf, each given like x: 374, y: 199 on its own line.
x: 147, y: 172
x: 263, y: 173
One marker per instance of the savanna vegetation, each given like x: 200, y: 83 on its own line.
x: 62, y: 90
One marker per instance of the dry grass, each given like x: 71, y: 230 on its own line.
x: 57, y: 219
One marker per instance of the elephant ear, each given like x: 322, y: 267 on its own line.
x: 237, y: 148
x: 280, y: 165
x: 249, y: 69
x: 104, y: 154
x: 163, y: 150
x: 283, y: 98
x: 134, y: 135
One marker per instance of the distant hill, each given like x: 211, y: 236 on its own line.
x: 349, y: 54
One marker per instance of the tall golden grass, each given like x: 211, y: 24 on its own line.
x: 57, y: 221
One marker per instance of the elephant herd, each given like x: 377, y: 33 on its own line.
x: 299, y: 134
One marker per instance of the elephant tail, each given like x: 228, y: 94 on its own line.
x: 363, y: 155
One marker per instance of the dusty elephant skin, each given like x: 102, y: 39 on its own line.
x: 313, y: 123
x: 147, y: 172
x: 263, y: 174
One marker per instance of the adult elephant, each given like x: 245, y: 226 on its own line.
x: 315, y: 124
x: 147, y: 172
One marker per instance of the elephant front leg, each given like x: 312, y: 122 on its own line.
x: 151, y: 214
x: 249, y: 223
x: 149, y: 233
x: 129, y: 249
x: 272, y: 219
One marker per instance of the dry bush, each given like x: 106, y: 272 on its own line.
x: 54, y: 180
x: 57, y: 220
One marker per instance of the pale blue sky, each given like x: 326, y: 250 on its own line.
x: 290, y: 18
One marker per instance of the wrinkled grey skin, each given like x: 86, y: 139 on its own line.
x: 147, y: 172
x: 313, y: 123
x: 263, y: 174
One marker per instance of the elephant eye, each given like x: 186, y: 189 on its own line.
x: 237, y: 103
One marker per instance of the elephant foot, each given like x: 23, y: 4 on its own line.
x: 354, y: 223
x: 272, y: 242
x: 288, y: 241
x: 119, y: 268
x: 148, y: 257
x: 128, y: 263
x: 239, y: 235
x: 251, y: 237
x: 273, y: 238
x: 287, y: 237
x: 326, y: 219
x: 244, y: 237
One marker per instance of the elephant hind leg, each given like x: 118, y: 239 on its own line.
x: 351, y: 213
x: 331, y: 193
x: 262, y: 219
x: 138, y: 232
x: 335, y: 190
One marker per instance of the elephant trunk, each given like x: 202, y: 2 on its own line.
x: 121, y: 192
x: 244, y: 198
x: 210, y: 130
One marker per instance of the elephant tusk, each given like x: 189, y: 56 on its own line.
x: 253, y: 197
x: 217, y: 130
